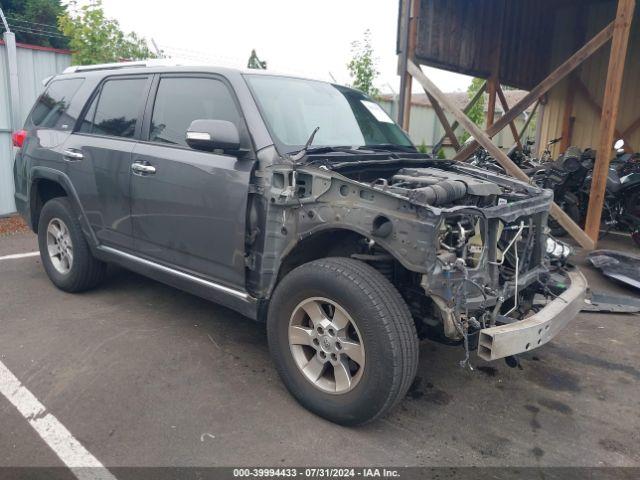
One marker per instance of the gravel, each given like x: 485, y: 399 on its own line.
x: 12, y: 225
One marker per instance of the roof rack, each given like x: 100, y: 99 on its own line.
x: 155, y: 62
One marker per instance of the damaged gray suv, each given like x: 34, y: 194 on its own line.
x: 298, y: 203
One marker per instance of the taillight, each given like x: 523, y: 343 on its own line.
x: 18, y: 138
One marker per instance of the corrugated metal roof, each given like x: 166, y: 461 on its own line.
x: 466, y: 36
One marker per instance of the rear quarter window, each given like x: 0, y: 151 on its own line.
x: 50, y: 110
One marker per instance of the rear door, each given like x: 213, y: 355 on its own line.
x: 189, y: 206
x: 49, y: 125
x: 98, y: 156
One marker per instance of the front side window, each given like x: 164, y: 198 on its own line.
x: 181, y: 100
x: 50, y: 109
x: 292, y: 108
x: 114, y: 111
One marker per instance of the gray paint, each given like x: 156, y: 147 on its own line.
x: 215, y: 222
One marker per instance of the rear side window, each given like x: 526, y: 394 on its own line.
x: 179, y: 101
x: 50, y: 111
x: 114, y: 111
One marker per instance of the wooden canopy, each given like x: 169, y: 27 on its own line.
x: 513, y: 43
x: 464, y: 36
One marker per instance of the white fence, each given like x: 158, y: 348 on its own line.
x: 34, y: 64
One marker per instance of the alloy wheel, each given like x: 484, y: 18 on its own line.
x: 326, y: 345
x: 59, y: 246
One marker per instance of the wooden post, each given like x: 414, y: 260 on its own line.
x: 411, y: 39
x: 529, y: 118
x: 492, y: 88
x: 466, y: 110
x: 542, y: 101
x: 444, y: 121
x: 609, y: 117
x: 512, y: 169
x: 526, y: 124
x: 493, y: 82
x: 512, y: 125
x: 567, y: 116
x: 406, y: 110
x: 404, y: 101
x: 543, y: 87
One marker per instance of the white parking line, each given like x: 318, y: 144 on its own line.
x: 77, y: 458
x: 20, y: 255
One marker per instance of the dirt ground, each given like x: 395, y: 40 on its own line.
x: 12, y: 225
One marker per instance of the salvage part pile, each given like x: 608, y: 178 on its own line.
x: 569, y: 176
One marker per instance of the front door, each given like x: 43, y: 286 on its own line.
x: 189, y: 207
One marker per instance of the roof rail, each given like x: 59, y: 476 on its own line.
x: 154, y: 62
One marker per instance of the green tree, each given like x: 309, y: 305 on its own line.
x: 95, y: 38
x: 362, y: 67
x: 476, y: 114
x: 35, y: 21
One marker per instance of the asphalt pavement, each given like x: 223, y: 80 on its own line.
x: 142, y: 374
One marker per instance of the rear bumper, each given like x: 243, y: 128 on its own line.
x: 534, y: 331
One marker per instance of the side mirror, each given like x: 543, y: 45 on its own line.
x: 209, y: 135
x: 619, y: 145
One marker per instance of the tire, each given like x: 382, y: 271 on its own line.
x: 83, y: 271
x: 379, y: 321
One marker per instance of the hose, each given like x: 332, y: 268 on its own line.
x: 443, y: 193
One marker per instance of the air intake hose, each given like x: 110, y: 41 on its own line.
x: 443, y: 193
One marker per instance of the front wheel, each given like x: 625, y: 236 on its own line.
x: 342, y: 339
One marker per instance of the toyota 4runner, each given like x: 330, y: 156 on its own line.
x: 298, y: 203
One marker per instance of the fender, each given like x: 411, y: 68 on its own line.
x: 63, y: 180
x: 341, y: 228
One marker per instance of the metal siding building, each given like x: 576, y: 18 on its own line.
x: 425, y: 128
x: 34, y: 65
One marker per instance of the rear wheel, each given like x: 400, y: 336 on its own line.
x: 342, y: 339
x: 64, y: 251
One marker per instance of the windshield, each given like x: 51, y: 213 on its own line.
x: 293, y: 108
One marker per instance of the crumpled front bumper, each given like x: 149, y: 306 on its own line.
x: 538, y: 329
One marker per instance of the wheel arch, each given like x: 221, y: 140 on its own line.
x: 330, y: 241
x: 46, y: 184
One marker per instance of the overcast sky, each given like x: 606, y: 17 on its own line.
x: 304, y: 37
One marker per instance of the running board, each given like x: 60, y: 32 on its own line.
x: 176, y: 273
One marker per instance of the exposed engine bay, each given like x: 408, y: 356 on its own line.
x: 485, y: 264
x: 467, y: 249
